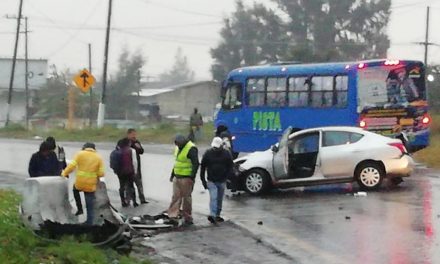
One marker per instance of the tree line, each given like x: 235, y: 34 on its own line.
x: 301, y: 31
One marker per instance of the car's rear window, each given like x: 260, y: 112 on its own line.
x: 335, y: 138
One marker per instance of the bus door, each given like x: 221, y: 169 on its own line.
x: 280, y: 160
x: 303, y: 154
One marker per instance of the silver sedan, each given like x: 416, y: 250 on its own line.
x: 322, y: 156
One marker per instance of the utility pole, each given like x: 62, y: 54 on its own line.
x: 101, y: 109
x: 426, y: 43
x: 426, y: 37
x: 91, y: 88
x: 14, y: 59
x: 26, y: 69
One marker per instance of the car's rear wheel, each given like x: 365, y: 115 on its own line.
x: 370, y: 175
x: 256, y: 181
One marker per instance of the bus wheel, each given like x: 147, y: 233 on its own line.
x: 369, y: 175
x: 256, y: 181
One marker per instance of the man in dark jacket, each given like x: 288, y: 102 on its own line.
x: 59, y: 151
x: 44, y: 162
x: 136, y: 145
x: 218, y: 162
x: 183, y: 175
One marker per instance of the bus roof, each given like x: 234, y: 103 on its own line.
x: 279, y: 69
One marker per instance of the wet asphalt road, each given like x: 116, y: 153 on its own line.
x: 324, y: 224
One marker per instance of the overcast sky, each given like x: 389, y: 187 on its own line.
x: 61, y: 30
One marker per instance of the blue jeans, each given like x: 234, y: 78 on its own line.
x: 216, y: 193
x: 90, y: 203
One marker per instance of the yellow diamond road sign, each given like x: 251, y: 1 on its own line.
x: 84, y: 80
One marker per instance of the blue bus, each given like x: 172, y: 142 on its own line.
x: 384, y: 96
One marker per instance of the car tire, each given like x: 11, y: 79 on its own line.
x: 256, y: 181
x: 370, y: 175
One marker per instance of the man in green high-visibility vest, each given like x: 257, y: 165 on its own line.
x: 183, y: 176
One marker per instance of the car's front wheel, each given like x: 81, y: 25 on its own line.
x: 370, y: 175
x: 256, y: 181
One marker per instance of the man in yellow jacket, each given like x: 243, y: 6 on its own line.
x: 90, y: 168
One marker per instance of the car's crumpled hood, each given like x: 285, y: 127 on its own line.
x: 256, y: 156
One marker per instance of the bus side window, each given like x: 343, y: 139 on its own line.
x: 298, y: 92
x: 322, y: 91
x: 255, y: 92
x: 341, y: 87
x: 276, y: 92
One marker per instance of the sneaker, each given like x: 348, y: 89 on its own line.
x: 135, y: 204
x: 125, y: 204
x: 188, y: 223
x: 219, y: 219
x: 172, y: 221
x: 79, y: 212
x: 211, y: 219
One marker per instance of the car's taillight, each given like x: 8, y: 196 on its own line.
x: 362, y: 124
x: 426, y: 120
x: 400, y: 146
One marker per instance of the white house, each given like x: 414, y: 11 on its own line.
x: 37, y: 72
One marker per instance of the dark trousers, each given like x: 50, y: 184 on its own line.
x: 126, y: 188
x: 90, y: 203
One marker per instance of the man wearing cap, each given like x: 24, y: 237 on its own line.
x: 218, y: 162
x: 183, y: 175
x: 89, y: 168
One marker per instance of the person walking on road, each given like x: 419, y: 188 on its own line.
x: 44, y: 162
x: 59, y: 151
x: 183, y: 176
x: 195, y: 124
x: 218, y: 162
x: 89, y: 168
x: 136, y: 145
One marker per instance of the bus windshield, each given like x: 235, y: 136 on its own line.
x: 232, y: 96
x: 391, y: 85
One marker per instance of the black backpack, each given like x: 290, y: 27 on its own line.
x: 116, y: 160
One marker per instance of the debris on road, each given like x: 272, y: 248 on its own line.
x: 360, y: 194
x: 155, y: 222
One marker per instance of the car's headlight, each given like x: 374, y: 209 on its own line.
x: 237, y: 165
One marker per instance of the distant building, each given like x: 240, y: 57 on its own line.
x: 37, y: 78
x: 178, y: 101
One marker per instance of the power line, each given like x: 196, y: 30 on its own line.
x: 72, y: 35
x: 185, y: 11
x: 90, y: 27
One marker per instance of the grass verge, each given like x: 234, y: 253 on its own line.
x: 19, y: 245
x: 161, y: 133
x: 431, y: 155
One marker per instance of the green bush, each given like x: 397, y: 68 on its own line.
x: 430, y: 155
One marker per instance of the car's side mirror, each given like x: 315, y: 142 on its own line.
x: 274, y: 148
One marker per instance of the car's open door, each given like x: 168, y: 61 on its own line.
x: 280, y: 161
